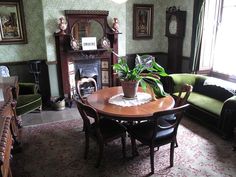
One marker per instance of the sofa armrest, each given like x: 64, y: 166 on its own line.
x: 173, y: 82
x: 27, y: 88
x: 230, y: 103
x: 227, y: 120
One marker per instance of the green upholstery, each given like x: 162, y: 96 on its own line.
x: 28, y: 99
x: 215, y: 102
x: 27, y: 88
x: 207, y: 103
x: 28, y: 103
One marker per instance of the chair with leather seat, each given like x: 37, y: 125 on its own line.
x: 157, y: 132
x: 180, y: 99
x: 102, y: 130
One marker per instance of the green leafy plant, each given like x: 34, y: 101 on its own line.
x: 144, y: 74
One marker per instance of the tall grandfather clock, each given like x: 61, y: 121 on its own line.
x: 175, y: 31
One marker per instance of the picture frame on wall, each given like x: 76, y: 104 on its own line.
x: 12, y: 24
x: 142, y: 21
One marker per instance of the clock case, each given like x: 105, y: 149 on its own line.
x: 175, y: 41
x: 180, y: 19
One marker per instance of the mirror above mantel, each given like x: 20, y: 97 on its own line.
x: 90, y: 29
x: 87, y: 23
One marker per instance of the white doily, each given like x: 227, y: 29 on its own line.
x: 125, y: 102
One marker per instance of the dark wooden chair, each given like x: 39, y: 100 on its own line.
x: 180, y: 99
x: 102, y: 130
x: 157, y: 132
x: 85, y: 87
x: 183, y: 95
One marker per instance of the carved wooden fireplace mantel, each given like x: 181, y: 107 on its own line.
x: 83, y: 23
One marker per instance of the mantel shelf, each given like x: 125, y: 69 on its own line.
x: 88, y: 51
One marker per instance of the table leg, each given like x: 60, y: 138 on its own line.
x: 234, y: 140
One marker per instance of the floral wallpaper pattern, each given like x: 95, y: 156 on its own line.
x: 159, y: 43
x: 41, y: 23
x: 35, y: 48
x: 53, y: 9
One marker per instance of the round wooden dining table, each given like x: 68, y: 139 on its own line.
x: 100, y: 101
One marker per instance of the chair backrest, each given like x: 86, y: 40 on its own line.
x: 183, y: 95
x: 86, y: 86
x: 177, y: 111
x: 87, y: 112
x: 4, y: 71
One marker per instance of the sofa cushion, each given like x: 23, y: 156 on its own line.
x: 214, y: 88
x: 230, y: 86
x: 216, y: 92
x: 204, y: 102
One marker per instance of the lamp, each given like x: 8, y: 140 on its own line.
x: 119, y: 1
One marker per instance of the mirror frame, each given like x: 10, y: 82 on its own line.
x: 84, y: 16
x: 21, y: 38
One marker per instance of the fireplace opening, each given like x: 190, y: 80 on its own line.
x: 88, y: 69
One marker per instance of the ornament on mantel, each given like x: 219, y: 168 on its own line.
x: 62, y: 25
x: 115, y: 26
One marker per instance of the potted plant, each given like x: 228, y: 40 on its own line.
x: 147, y: 75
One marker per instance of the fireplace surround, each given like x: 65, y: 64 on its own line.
x: 74, y: 64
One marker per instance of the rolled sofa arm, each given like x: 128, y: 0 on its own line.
x: 27, y: 88
x: 173, y: 82
x: 228, y: 117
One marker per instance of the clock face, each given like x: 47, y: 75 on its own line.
x: 173, y: 25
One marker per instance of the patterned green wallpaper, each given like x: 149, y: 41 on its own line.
x: 35, y: 48
x: 53, y: 9
x: 147, y: 45
x: 159, y: 43
x: 41, y: 18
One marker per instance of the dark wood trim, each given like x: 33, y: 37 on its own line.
x: 161, y: 58
x: 155, y: 54
x: 18, y: 62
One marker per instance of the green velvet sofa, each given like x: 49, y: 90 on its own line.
x: 212, y: 102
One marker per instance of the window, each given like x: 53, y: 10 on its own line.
x: 218, y: 51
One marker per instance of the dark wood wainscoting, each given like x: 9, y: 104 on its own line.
x: 161, y: 59
x: 21, y: 69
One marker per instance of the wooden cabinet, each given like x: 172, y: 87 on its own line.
x: 5, y: 146
x: 8, y: 126
x: 70, y: 54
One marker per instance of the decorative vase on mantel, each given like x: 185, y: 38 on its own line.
x: 130, y: 88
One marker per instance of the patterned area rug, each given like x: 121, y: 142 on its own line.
x: 56, y: 150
